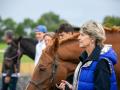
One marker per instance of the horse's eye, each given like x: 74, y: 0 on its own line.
x: 42, y: 67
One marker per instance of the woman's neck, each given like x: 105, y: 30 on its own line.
x: 90, y: 48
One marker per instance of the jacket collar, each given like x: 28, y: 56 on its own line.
x: 94, y: 55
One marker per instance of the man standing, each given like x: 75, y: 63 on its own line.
x: 9, y: 75
x: 39, y: 34
x: 8, y: 36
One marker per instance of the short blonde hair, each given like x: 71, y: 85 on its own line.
x: 94, y: 30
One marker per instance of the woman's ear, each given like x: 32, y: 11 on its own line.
x: 93, y: 40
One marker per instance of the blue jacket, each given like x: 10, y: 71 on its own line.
x: 86, y: 75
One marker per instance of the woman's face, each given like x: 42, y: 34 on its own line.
x: 84, y: 40
x: 47, y: 40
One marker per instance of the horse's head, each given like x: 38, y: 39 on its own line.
x: 12, y: 52
x: 45, y: 70
x: 24, y: 46
x: 53, y: 65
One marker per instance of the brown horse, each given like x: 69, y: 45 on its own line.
x: 113, y: 37
x: 57, y: 64
x: 52, y: 67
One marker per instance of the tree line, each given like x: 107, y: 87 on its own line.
x: 50, y: 19
x: 26, y: 28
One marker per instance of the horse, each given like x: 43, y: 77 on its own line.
x: 53, y: 63
x: 113, y: 37
x: 57, y: 63
x: 18, y: 48
x: 23, y: 46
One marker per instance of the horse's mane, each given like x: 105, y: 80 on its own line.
x: 21, y: 38
x: 57, y: 42
x: 30, y: 40
x: 72, y: 37
x: 112, y: 30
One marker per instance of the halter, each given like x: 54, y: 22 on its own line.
x: 38, y: 83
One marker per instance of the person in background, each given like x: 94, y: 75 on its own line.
x: 8, y: 36
x: 95, y: 70
x: 40, y: 31
x: 65, y: 30
x: 9, y: 75
x: 48, y: 38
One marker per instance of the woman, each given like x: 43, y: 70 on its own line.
x: 95, y: 70
x: 48, y: 38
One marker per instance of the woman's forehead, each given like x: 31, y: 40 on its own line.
x: 48, y: 37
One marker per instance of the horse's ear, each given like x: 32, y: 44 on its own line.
x: 56, y: 43
x: 15, y: 41
x: 19, y: 38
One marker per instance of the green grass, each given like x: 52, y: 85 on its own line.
x: 24, y: 59
x: 3, y: 46
x: 1, y: 57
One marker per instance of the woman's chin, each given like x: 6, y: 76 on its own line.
x: 81, y: 46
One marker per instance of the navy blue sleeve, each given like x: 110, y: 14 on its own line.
x: 102, y: 76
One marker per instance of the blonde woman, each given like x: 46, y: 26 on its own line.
x: 95, y: 70
x: 48, y: 38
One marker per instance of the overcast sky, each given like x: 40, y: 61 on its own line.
x: 74, y: 11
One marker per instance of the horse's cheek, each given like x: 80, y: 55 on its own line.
x: 61, y: 73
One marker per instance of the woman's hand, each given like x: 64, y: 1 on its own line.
x: 62, y: 85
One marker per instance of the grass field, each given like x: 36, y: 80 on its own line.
x: 27, y: 64
x: 2, y: 46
